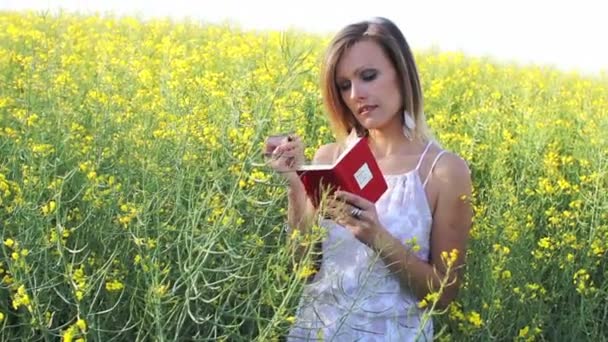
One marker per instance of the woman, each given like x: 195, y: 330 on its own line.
x: 381, y: 259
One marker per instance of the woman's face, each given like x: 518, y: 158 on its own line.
x: 368, y: 84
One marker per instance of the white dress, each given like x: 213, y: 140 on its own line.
x: 354, y: 296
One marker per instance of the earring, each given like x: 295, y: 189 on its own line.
x: 409, y: 125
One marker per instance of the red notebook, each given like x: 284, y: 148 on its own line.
x: 355, y: 171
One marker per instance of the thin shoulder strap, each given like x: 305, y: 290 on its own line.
x: 423, y: 154
x: 428, y: 176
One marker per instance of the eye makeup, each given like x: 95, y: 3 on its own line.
x: 366, y: 75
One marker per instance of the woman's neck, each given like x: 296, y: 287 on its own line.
x: 391, y: 141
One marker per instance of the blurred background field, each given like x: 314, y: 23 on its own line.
x: 134, y: 204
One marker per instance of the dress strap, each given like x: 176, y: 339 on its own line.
x: 423, y: 154
x: 432, y: 167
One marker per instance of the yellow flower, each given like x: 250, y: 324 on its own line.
x: 81, y: 324
x: 475, y: 319
x: 49, y: 208
x: 92, y: 175
x: 21, y: 298
x: 305, y: 272
x: 114, y: 285
x: 9, y: 243
x: 430, y: 298
x: 413, y: 244
x: 523, y: 332
x: 449, y: 258
x: 68, y: 335
x: 31, y: 120
x: 161, y: 290
x: 545, y: 243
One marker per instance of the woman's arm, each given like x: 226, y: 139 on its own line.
x: 301, y: 214
x: 300, y: 211
x: 452, y: 221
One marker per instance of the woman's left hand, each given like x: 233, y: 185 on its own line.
x: 356, y: 214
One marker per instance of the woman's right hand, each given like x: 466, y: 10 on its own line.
x: 287, y: 154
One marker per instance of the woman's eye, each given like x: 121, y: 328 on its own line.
x: 344, y: 85
x: 368, y: 75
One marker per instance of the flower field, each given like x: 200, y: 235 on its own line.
x: 135, y: 204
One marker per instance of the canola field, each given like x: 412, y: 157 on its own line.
x: 135, y: 205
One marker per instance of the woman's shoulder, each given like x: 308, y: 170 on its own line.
x: 327, y: 153
x: 450, y: 167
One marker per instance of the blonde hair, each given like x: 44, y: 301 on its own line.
x: 386, y: 34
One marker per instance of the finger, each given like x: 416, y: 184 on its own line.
x: 295, y: 145
x: 358, y: 214
x: 287, y: 148
x: 335, y: 214
x: 349, y: 222
x: 292, y: 137
x: 333, y: 202
x: 335, y: 205
x: 280, y: 152
x: 353, y: 199
x: 286, y: 154
x: 288, y: 158
x: 338, y: 205
x: 342, y: 213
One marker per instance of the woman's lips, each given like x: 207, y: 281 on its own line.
x: 366, y: 109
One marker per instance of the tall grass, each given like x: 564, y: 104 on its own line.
x: 134, y: 205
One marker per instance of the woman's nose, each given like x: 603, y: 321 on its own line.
x: 357, y: 91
